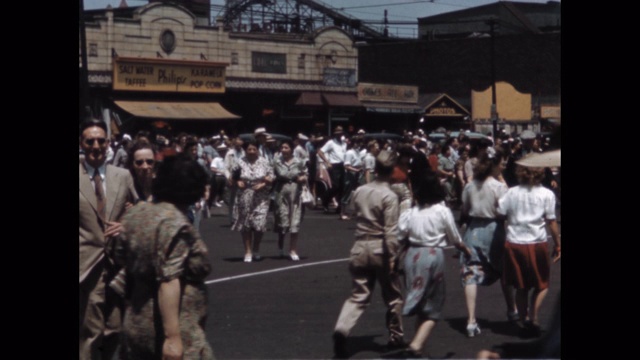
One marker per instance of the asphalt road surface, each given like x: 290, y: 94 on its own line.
x: 280, y: 309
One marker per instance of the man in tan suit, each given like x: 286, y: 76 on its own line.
x: 104, y: 192
x: 373, y: 256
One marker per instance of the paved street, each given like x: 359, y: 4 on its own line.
x: 279, y: 309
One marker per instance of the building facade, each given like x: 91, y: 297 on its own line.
x: 177, y: 58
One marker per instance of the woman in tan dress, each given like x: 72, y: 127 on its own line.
x: 291, y: 174
x: 166, y: 264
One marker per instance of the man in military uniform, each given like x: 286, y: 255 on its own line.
x: 373, y: 256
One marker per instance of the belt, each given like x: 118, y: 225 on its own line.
x: 369, y: 237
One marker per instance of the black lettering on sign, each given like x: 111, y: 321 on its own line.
x: 135, y: 82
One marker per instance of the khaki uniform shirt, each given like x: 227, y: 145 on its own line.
x: 376, y: 207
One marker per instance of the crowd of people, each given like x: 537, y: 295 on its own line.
x: 138, y: 252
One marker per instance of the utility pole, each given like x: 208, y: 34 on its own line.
x: 84, y: 73
x: 494, y: 109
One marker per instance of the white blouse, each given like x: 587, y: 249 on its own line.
x: 527, y: 209
x: 431, y: 226
x: 480, y: 198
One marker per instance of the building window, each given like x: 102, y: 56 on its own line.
x: 234, y: 58
x: 93, y: 49
x: 168, y: 41
x: 301, y: 61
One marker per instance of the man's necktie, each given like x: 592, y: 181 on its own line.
x: 102, y: 204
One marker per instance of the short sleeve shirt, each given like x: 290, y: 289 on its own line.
x: 432, y: 226
x: 369, y: 162
x: 480, y: 198
x: 526, y: 209
x: 352, y: 158
x: 334, y: 151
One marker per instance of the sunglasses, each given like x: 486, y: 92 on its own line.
x: 148, y: 161
x: 100, y: 141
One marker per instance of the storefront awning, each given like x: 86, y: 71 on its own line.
x: 342, y: 100
x: 391, y: 107
x: 177, y: 110
x: 310, y: 99
x: 328, y: 99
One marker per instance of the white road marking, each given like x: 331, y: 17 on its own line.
x: 284, y: 269
x: 272, y: 271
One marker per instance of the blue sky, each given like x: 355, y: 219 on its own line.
x: 398, y: 10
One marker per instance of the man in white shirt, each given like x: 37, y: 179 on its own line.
x: 332, y: 153
x: 300, y: 152
x: 263, y: 148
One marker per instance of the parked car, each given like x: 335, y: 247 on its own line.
x: 473, y: 136
x: 279, y: 137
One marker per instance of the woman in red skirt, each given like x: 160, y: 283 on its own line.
x: 529, y: 208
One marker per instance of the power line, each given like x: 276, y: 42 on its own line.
x: 388, y: 4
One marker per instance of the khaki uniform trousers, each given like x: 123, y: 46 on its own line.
x: 100, y: 316
x: 368, y: 264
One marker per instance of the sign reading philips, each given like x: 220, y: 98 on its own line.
x: 175, y: 76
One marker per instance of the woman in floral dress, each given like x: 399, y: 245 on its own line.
x: 166, y: 264
x: 290, y: 174
x: 253, y: 175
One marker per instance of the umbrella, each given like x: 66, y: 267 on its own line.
x: 545, y: 159
x: 383, y: 136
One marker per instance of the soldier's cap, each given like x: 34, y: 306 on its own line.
x: 387, y: 158
x: 260, y: 131
x: 338, y: 130
x: 302, y: 137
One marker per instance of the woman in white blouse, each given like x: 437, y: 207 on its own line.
x: 530, y: 208
x: 429, y: 226
x: 484, y: 236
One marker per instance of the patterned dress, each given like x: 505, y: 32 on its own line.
x: 288, y: 190
x: 429, y: 230
x: 161, y: 245
x: 251, y: 206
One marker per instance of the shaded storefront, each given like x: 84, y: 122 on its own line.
x: 185, y: 95
x: 442, y: 111
x: 388, y: 107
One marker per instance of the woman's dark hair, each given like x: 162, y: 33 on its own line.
x: 530, y: 176
x: 429, y: 191
x: 138, y: 145
x: 180, y: 180
x: 288, y: 142
x: 485, y: 165
x: 253, y: 142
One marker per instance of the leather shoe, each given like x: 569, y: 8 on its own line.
x: 397, y: 344
x: 340, y: 346
x: 406, y: 353
x: 530, y: 330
